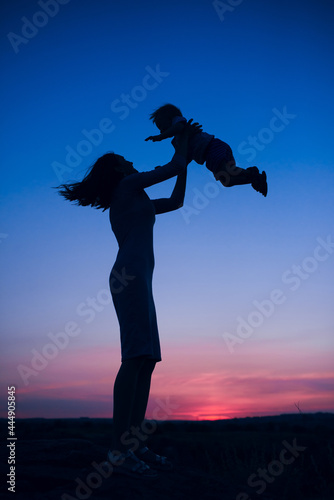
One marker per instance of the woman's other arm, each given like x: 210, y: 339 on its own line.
x: 175, y: 201
x: 175, y: 167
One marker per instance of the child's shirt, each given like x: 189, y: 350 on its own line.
x: 197, y: 143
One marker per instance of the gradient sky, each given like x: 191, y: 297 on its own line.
x: 243, y: 285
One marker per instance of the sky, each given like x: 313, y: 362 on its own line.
x: 243, y: 284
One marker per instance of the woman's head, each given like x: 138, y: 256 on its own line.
x: 98, y: 184
x: 163, y: 116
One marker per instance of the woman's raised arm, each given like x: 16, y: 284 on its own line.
x: 163, y: 205
x: 175, y: 167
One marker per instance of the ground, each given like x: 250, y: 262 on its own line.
x: 288, y: 457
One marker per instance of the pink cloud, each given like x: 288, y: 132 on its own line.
x: 200, y: 381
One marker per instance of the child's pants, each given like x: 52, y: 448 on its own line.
x: 219, y: 159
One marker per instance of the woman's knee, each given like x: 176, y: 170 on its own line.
x: 149, y: 365
x: 135, y: 364
x: 139, y: 364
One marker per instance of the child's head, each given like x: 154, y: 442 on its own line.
x: 163, y: 116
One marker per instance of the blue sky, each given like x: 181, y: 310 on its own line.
x: 258, y: 76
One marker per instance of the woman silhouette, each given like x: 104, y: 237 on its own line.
x: 114, y: 183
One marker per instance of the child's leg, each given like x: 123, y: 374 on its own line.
x: 231, y: 175
x: 220, y: 161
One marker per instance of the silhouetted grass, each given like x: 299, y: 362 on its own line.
x: 231, y: 450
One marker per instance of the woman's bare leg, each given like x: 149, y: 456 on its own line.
x: 142, y: 393
x: 125, y: 389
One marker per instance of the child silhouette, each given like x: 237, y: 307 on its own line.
x: 205, y: 148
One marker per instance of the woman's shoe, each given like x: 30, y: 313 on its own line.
x: 128, y: 464
x: 155, y: 461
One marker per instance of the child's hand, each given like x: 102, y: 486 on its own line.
x: 153, y: 138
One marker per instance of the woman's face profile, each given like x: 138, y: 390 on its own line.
x: 124, y: 166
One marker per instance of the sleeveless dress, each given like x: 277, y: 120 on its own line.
x: 132, y: 217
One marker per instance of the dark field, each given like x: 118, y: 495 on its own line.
x: 288, y: 457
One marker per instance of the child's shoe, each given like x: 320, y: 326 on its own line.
x: 260, y: 180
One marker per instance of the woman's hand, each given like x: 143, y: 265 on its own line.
x: 192, y: 128
x: 189, y: 130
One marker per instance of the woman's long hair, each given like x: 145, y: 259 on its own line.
x: 97, y: 186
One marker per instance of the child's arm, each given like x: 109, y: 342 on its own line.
x: 177, y: 128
